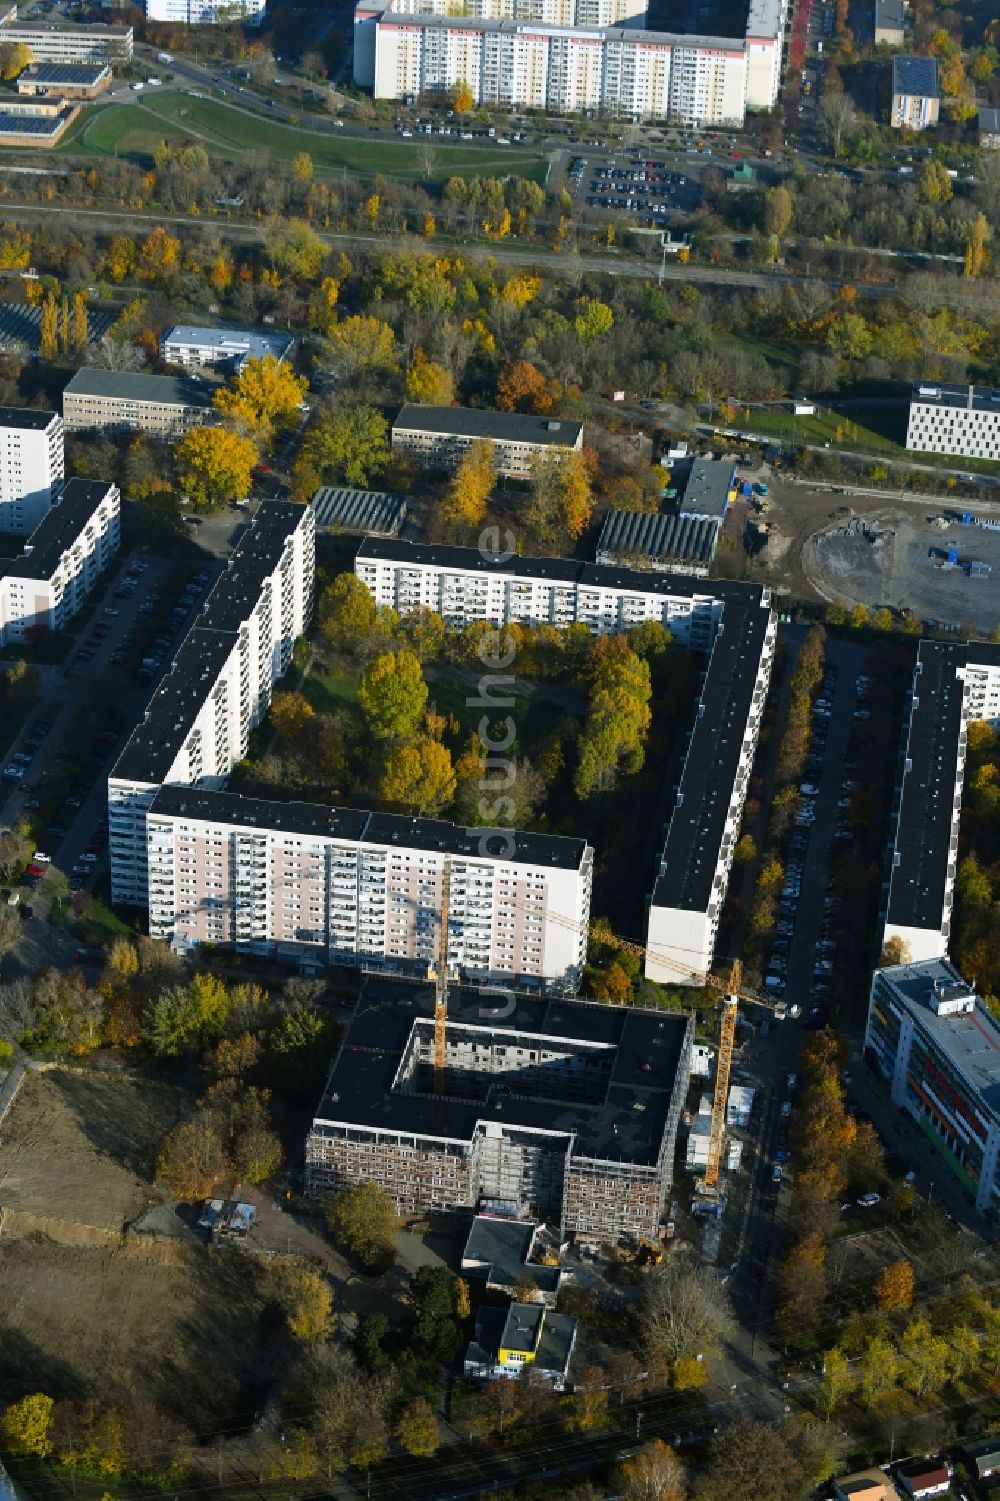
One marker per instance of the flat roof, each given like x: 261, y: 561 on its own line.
x: 694, y: 837
x: 150, y: 750
x: 972, y: 398
x: 228, y: 341
x: 625, y: 1122
x: 636, y: 534
x: 503, y: 1245
x: 93, y: 29
x: 890, y: 14
x: 357, y: 825
x: 343, y: 510
x: 558, y: 570
x: 78, y: 74
x: 912, y: 74
x: 471, y: 422
x: 164, y: 390
x: 57, y: 530
x: 766, y: 18
x: 989, y: 120
x: 970, y: 1040
x: 708, y: 487
x: 522, y: 1326
x: 27, y: 418
x: 634, y: 36
x: 921, y: 849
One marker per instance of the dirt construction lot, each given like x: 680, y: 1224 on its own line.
x: 89, y: 1311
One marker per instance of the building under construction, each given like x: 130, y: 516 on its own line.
x: 561, y: 1110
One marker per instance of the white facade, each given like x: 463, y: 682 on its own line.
x: 198, y: 723
x: 206, y: 12
x: 959, y: 420
x: 46, y: 585
x: 733, y: 623
x: 71, y: 44
x: 953, y: 685
x: 567, y: 55
x: 365, y: 889
x: 198, y: 348
x: 439, y: 437
x: 31, y: 467
x: 528, y: 65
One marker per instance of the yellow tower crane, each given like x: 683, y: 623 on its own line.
x: 733, y: 993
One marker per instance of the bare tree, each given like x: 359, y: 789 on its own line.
x: 428, y: 158
x: 110, y: 353
x: 837, y: 117
x: 686, y: 1313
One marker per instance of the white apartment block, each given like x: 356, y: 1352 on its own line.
x: 343, y: 886
x: 206, y: 12
x: 31, y: 467
x: 198, y: 722
x: 197, y: 348
x: 953, y: 684
x: 616, y: 70
x: 44, y: 587
x: 567, y: 55
x: 959, y: 420
x: 110, y: 401
x: 731, y: 623
x: 438, y: 437
x: 70, y: 44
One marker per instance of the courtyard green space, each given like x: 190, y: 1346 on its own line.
x: 136, y: 129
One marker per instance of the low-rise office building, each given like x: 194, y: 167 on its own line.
x: 44, y: 587
x: 988, y: 126
x: 71, y: 44
x: 65, y: 80
x: 890, y: 23
x: 662, y: 543
x: 960, y: 420
x: 31, y: 466
x: 321, y: 885
x: 371, y: 513
x: 526, y: 1334
x: 198, y: 722
x: 221, y: 348
x: 916, y: 92
x: 565, y: 1110
x: 123, y: 401
x: 953, y: 684
x: 731, y: 623
x: 938, y: 1048
x: 438, y: 437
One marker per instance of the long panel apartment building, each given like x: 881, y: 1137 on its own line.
x: 320, y: 885
x: 44, y: 587
x: 198, y: 722
x: 568, y: 55
x: 959, y: 420
x: 731, y: 624
x: 565, y: 1110
x: 953, y: 684
x: 938, y: 1048
x: 31, y: 466
x: 438, y: 437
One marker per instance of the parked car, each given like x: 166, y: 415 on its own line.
x: 869, y: 1200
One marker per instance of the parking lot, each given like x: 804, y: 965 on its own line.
x: 55, y: 773
x: 650, y: 187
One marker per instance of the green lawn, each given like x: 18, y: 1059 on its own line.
x: 225, y: 131
x: 330, y: 691
x: 879, y: 431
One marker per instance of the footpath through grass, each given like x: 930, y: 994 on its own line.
x: 135, y: 130
x: 876, y: 431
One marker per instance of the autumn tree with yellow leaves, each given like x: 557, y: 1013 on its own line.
x: 266, y: 395
x: 215, y: 465
x: 471, y: 487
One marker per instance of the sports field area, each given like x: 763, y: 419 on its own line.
x: 135, y: 129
